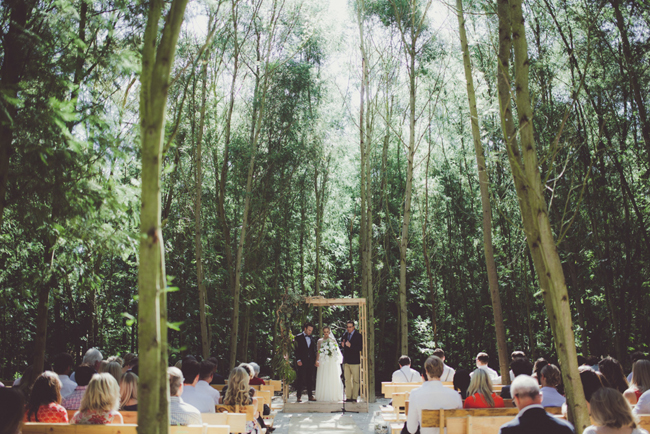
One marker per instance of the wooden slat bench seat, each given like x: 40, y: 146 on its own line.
x: 65, y: 428
x: 130, y: 417
x: 236, y: 421
x: 248, y: 410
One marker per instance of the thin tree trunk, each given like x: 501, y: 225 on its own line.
x: 157, y: 61
x: 485, y: 204
x: 205, y: 342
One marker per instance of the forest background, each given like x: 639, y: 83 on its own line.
x: 293, y: 168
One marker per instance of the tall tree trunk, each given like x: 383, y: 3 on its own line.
x: 538, y: 230
x: 485, y: 203
x: 205, y: 341
x: 157, y: 62
x: 43, y: 306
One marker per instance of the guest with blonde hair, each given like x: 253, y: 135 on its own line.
x: 100, y: 402
x: 238, y: 393
x: 612, y: 414
x: 640, y: 381
x: 129, y: 392
x: 115, y: 369
x: 479, y: 392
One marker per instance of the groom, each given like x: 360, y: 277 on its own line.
x: 351, y: 344
x: 306, y: 361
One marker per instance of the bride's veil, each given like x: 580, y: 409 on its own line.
x: 338, y: 357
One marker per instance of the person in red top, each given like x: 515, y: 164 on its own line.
x: 44, y: 403
x: 640, y: 381
x: 479, y: 392
x: 255, y: 380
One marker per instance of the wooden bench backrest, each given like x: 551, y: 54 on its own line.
x: 265, y: 396
x: 399, y: 400
x: 236, y: 421
x: 277, y: 385
x: 130, y: 417
x: 65, y: 428
x: 438, y: 418
x: 219, y: 387
x: 249, y: 410
x: 268, y: 387
x: 644, y: 421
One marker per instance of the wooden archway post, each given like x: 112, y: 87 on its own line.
x: 363, y: 329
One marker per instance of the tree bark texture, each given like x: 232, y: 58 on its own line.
x: 539, y: 235
x: 484, y: 183
x: 157, y: 61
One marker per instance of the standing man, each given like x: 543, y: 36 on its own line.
x: 352, y: 343
x: 306, y: 361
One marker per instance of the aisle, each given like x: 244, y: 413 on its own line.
x: 335, y: 423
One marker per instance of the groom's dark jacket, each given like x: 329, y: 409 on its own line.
x: 352, y: 354
x: 303, y: 353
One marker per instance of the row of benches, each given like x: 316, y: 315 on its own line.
x: 388, y: 388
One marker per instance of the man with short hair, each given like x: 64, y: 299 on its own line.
x: 517, y: 354
x: 62, y: 365
x: 432, y: 395
x: 352, y: 344
x: 306, y: 361
x: 216, y: 378
x: 205, y: 377
x: 448, y: 373
x: 204, y: 402
x: 405, y: 374
x: 532, y: 418
x: 180, y: 412
x: 518, y: 366
x: 482, y: 360
x: 84, y: 374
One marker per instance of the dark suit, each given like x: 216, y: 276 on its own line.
x: 306, y: 372
x: 537, y: 421
x: 351, y: 362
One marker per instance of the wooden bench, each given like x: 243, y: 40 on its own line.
x: 130, y: 417
x: 277, y: 385
x: 65, y: 428
x: 236, y: 421
x: 389, y: 388
x: 248, y: 410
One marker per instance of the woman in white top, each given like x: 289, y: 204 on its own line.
x: 329, y: 387
x: 612, y: 414
x: 550, y: 379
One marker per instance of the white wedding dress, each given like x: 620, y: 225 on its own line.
x: 329, y: 387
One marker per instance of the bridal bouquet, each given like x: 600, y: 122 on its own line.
x: 328, y: 348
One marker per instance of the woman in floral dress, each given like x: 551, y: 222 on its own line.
x: 100, y: 402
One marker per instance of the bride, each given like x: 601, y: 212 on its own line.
x: 328, y: 378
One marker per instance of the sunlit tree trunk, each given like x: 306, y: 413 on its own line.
x: 539, y: 236
x: 485, y: 203
x: 157, y: 61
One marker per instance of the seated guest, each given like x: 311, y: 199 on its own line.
x: 514, y: 356
x: 44, y: 404
x: 405, y: 374
x: 129, y: 392
x: 25, y: 383
x: 643, y: 404
x: 204, y: 402
x: 256, y: 380
x: 613, y: 371
x: 115, y: 369
x: 63, y: 364
x: 519, y: 366
x: 537, y: 368
x: 130, y: 362
x: 12, y: 404
x: 611, y: 414
x: 238, y: 393
x: 461, y: 382
x: 640, y: 381
x: 448, y: 373
x: 180, y: 412
x: 216, y: 378
x: 83, y: 376
x: 634, y: 357
x: 590, y: 382
x: 551, y: 379
x: 482, y: 360
x: 100, y: 402
x: 479, y: 392
x: 92, y: 358
x: 431, y: 395
x: 205, y: 376
x: 532, y: 418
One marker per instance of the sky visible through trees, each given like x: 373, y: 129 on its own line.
x: 281, y: 179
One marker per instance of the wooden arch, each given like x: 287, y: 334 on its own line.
x: 363, y: 329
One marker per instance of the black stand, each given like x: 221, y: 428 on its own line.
x: 343, y: 410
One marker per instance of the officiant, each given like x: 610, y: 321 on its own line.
x: 351, y: 343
